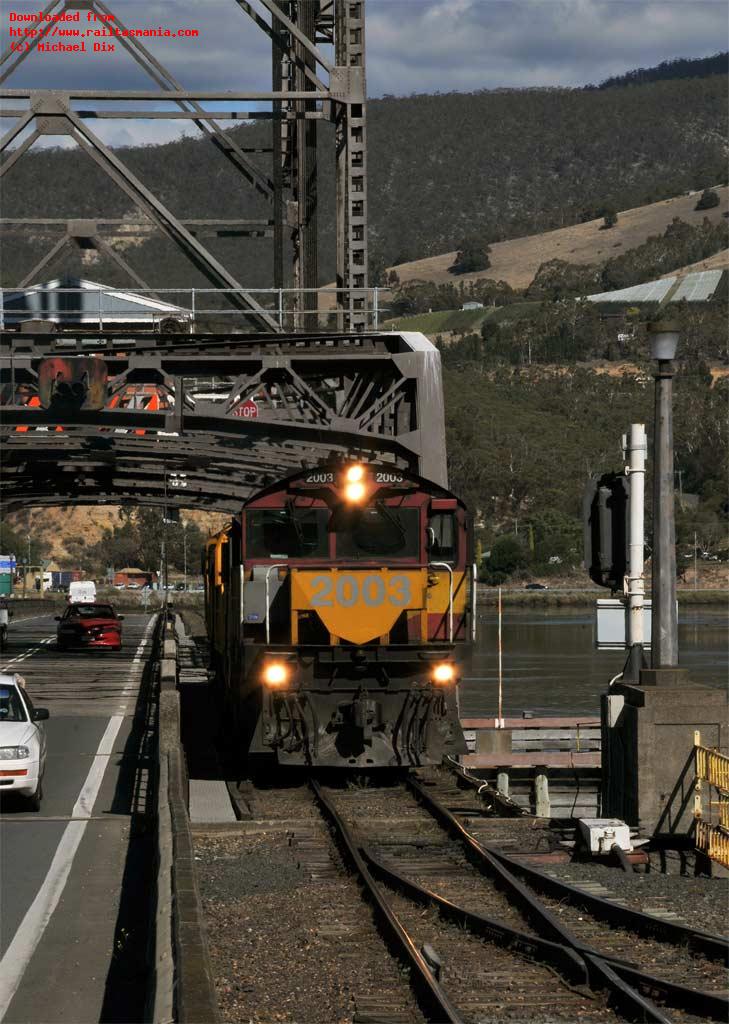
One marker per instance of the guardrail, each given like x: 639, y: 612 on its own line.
x: 712, y: 835
x: 181, y: 987
x: 102, y: 307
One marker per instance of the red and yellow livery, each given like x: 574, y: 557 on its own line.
x: 338, y: 606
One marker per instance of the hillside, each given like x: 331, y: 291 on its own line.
x: 517, y: 261
x: 504, y: 164
x: 719, y: 261
x: 64, y: 531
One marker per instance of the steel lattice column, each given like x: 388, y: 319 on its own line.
x: 305, y: 177
x: 350, y: 86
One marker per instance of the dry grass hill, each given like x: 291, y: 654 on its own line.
x: 517, y: 260
x: 61, y: 527
x: 719, y: 261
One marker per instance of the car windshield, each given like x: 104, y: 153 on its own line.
x: 90, y: 611
x: 379, y: 532
x: 11, y: 706
x: 287, y: 533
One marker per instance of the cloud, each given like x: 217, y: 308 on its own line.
x: 466, y: 45
x: 412, y: 46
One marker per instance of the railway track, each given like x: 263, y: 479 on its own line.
x: 487, y: 937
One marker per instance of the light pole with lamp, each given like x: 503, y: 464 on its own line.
x: 664, y: 336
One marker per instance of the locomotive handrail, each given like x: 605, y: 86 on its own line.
x: 276, y: 565
x: 444, y: 565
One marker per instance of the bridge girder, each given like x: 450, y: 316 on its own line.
x: 311, y: 398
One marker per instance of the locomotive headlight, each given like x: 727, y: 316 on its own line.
x: 276, y: 675
x: 354, y: 492
x: 444, y: 673
x: 354, y: 474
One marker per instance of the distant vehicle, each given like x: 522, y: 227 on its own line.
x: 89, y: 626
x: 22, y: 742
x: 536, y: 586
x: 81, y: 590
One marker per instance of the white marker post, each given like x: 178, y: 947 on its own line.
x: 636, y: 451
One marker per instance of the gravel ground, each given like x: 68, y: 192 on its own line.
x: 286, y: 949
x: 701, y: 903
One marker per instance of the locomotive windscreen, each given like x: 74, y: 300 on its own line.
x: 287, y: 533
x: 379, y: 532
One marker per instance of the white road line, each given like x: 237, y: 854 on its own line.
x: 26, y: 939
x: 26, y: 654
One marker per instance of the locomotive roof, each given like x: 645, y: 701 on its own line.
x: 336, y: 467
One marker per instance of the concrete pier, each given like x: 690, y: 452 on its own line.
x: 648, y: 748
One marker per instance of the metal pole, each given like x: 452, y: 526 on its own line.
x: 501, y: 689
x: 184, y: 552
x: 164, y: 539
x: 696, y: 568
x: 664, y: 634
x: 635, y: 581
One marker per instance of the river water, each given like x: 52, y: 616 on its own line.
x: 551, y: 666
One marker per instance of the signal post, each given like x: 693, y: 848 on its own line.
x: 651, y: 714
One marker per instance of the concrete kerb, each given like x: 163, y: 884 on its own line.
x: 182, y: 986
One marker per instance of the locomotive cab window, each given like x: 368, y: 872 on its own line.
x: 378, y: 532
x: 286, y: 533
x: 442, y: 537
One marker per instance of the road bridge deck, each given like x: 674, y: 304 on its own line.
x: 73, y: 941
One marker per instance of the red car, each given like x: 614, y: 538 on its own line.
x: 88, y: 625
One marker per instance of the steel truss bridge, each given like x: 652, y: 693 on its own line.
x: 204, y: 420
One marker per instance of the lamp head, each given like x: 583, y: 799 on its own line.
x: 664, y: 336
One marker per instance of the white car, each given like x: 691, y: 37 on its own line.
x: 22, y: 742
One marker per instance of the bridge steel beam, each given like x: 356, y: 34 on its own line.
x: 279, y: 403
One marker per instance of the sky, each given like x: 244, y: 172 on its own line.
x: 413, y: 46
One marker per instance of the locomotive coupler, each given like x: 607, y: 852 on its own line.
x: 361, y: 713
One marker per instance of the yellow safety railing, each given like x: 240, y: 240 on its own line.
x: 712, y: 837
x: 713, y: 841
x: 713, y: 767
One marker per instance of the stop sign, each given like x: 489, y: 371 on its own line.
x: 247, y: 410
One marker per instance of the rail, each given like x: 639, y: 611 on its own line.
x: 712, y: 835
x: 434, y: 1001
x: 631, y: 989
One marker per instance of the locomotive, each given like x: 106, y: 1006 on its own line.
x: 339, y: 606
